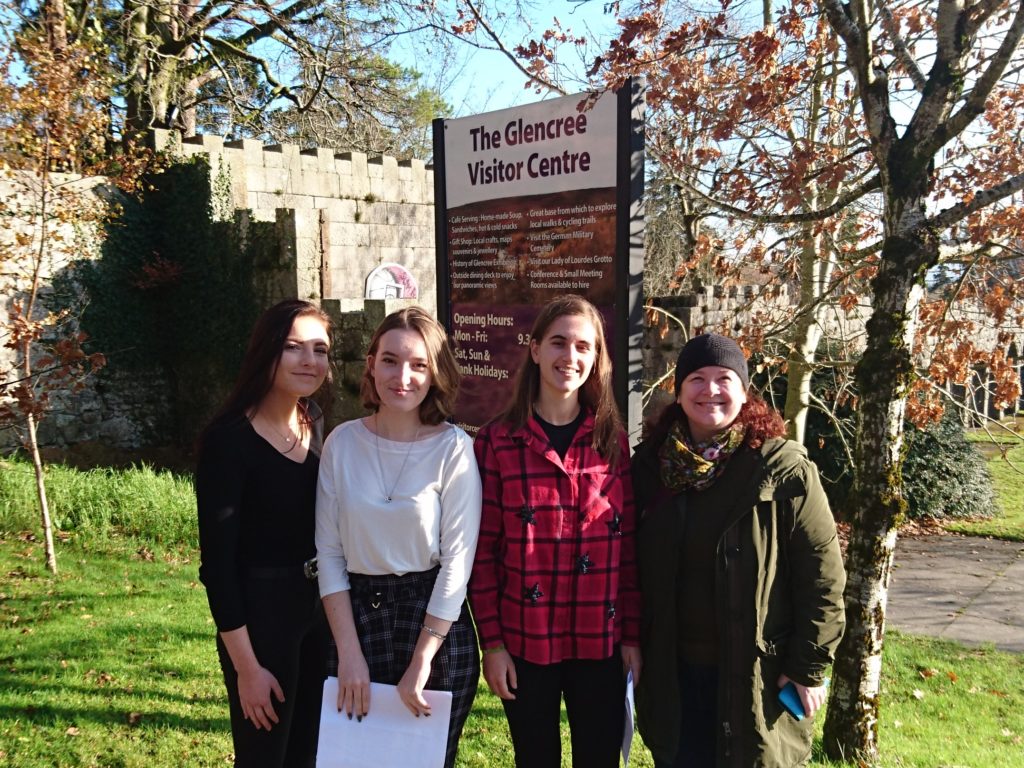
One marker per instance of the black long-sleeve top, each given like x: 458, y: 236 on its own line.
x: 256, y: 509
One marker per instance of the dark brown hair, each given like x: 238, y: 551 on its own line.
x: 439, y: 404
x: 259, y: 365
x: 596, y: 392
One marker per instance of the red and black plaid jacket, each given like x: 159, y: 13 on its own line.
x: 555, y: 573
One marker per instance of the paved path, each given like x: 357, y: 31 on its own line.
x: 961, y: 588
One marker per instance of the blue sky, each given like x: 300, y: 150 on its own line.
x: 475, y: 81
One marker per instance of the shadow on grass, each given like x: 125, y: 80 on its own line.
x: 115, y: 689
x: 48, y: 715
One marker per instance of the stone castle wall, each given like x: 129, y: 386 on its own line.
x: 337, y: 216
x: 343, y: 214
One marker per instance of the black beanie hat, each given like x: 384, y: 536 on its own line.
x: 711, y: 349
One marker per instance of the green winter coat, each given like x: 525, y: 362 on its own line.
x: 779, y: 585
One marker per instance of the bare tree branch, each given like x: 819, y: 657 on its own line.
x: 531, y: 76
x: 903, y: 55
x: 874, y: 183
x: 975, y: 103
x: 981, y: 200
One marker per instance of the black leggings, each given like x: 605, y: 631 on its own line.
x: 595, y: 693
x: 289, y: 635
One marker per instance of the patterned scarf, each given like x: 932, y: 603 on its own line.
x: 686, y: 464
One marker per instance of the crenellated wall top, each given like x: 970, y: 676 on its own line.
x: 278, y: 155
x: 265, y: 177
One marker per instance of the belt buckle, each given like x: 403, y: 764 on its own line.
x: 309, y: 569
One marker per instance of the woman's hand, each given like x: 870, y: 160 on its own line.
x: 410, y: 687
x: 255, y: 682
x: 810, y: 698
x: 632, y: 661
x: 500, y: 674
x: 255, y: 686
x: 353, y: 682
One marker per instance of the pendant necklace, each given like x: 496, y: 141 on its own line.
x: 389, y: 495
x: 289, y: 439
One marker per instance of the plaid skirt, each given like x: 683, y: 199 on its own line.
x: 388, y: 612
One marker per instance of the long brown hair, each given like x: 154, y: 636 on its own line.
x: 259, y: 365
x: 439, y: 404
x: 596, y: 392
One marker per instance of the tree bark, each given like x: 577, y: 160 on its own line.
x: 805, y: 336
x: 877, y: 505
x: 44, y: 506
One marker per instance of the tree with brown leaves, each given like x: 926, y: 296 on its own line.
x: 51, y: 89
x: 912, y: 161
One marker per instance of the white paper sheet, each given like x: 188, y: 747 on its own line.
x: 390, y: 736
x: 627, y: 731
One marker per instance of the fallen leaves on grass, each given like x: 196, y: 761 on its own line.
x: 100, y: 678
x: 929, y: 672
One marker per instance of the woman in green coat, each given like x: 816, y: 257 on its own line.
x: 740, y: 571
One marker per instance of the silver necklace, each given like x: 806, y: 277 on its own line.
x: 288, y: 439
x: 389, y: 495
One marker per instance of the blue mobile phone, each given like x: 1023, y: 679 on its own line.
x: 790, y: 699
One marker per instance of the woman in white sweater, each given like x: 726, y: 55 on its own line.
x: 397, y: 518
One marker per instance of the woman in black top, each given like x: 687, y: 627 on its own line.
x: 256, y: 488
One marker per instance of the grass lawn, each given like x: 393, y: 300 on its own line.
x: 1008, y: 479
x: 112, y: 663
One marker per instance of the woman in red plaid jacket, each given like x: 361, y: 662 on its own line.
x: 554, y: 584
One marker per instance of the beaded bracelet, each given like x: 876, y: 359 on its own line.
x: 496, y: 649
x: 432, y: 632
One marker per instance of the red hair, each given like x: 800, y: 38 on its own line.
x: 761, y: 420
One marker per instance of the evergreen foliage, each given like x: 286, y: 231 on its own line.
x: 944, y: 475
x: 173, y: 296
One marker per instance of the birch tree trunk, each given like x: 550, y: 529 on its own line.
x: 805, y: 336
x: 906, y: 160
x: 883, y: 378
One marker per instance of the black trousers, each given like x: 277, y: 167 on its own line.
x: 594, y: 691
x: 698, y: 728
x: 290, y: 636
